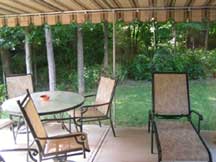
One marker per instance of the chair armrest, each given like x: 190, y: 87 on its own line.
x: 198, y: 114
x: 86, y: 107
x: 80, y: 138
x: 61, y: 136
x: 200, y: 118
x: 95, y: 105
x: 89, y: 95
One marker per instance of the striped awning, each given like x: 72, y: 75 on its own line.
x: 38, y: 12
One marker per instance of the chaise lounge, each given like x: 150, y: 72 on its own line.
x: 177, y: 139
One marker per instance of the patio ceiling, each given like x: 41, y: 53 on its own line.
x: 38, y: 12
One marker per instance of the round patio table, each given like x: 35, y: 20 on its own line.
x: 59, y: 101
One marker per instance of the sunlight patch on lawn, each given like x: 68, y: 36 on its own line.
x: 212, y: 98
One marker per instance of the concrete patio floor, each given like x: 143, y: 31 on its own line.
x: 130, y: 145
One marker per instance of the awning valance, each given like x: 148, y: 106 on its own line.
x: 38, y: 12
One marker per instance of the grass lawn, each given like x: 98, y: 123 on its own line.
x: 133, y: 100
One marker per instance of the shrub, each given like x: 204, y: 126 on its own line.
x: 2, y: 92
x: 194, y: 64
x: 91, y: 76
x: 211, y: 62
x: 163, y: 60
x: 140, y: 68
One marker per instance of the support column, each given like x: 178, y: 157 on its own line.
x: 50, y: 59
x: 80, y: 61
x: 114, y: 65
x: 28, y: 59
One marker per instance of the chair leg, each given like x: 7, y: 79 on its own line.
x: 113, y: 130
x: 152, y: 139
x: 149, y: 122
x: 70, y: 125
x: 99, y: 122
x: 76, y: 124
x: 13, y: 131
x: 1, y: 159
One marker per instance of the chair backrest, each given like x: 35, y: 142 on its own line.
x: 17, y: 85
x: 32, y: 118
x: 170, y: 94
x: 105, y: 93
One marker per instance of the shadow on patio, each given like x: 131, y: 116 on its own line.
x: 130, y: 145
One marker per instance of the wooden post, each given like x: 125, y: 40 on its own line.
x: 28, y: 59
x: 80, y: 61
x: 50, y: 59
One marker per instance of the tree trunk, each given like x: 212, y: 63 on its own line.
x: 50, y: 59
x: 5, y: 61
x: 34, y: 58
x: 106, y: 45
x: 28, y: 59
x: 80, y: 61
x: 154, y: 37
x: 174, y: 37
x: 206, y: 36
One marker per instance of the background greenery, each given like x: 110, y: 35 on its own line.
x: 142, y: 48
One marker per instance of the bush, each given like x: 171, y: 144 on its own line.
x: 163, y: 61
x: 91, y: 76
x: 194, y: 64
x: 140, y: 68
x: 198, y: 63
x: 211, y: 62
x: 2, y: 92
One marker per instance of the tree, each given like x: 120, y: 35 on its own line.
x: 28, y: 54
x: 9, y: 39
x: 50, y: 59
x: 80, y: 61
x: 5, y: 60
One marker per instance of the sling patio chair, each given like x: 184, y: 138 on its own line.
x: 51, y: 147
x: 16, y: 85
x: 101, y: 109
x: 176, y: 139
x: 9, y: 123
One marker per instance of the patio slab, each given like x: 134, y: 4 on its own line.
x: 133, y: 145
x: 95, y: 137
x: 130, y: 145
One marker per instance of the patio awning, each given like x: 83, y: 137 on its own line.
x: 38, y: 12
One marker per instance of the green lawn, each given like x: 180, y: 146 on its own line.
x: 133, y: 100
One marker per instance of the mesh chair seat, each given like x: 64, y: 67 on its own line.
x: 180, y: 142
x: 91, y: 112
x: 5, y: 123
x: 64, y: 145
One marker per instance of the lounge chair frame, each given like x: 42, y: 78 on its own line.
x: 152, y: 116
